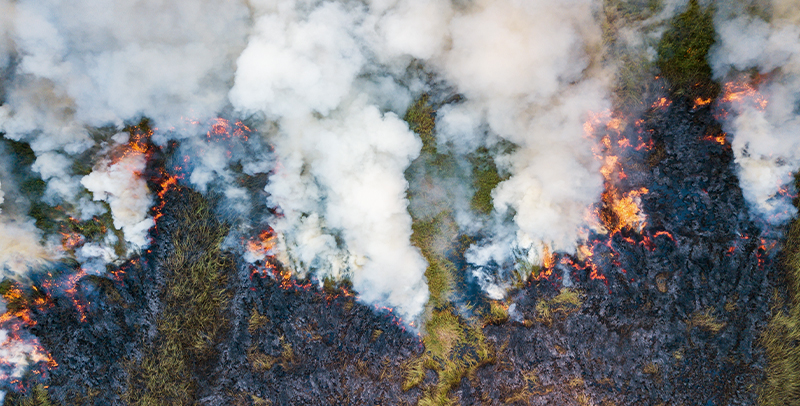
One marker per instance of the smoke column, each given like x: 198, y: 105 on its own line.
x: 763, y: 124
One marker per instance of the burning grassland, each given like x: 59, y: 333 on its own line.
x: 496, y: 201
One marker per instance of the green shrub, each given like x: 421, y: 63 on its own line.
x: 683, y: 51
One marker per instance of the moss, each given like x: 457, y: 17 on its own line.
x: 192, y: 319
x: 421, y: 119
x: 683, y: 51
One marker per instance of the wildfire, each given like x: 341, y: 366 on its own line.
x: 71, y: 240
x: 167, y: 182
x: 619, y: 210
x: 743, y: 92
x: 720, y: 138
x: 701, y: 102
x: 13, y: 324
x: 262, y: 246
x: 662, y: 103
x: 222, y: 129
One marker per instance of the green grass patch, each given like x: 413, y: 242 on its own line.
x: 421, y: 118
x: 192, y: 319
x: 37, y: 396
x: 683, y: 51
x: 566, y: 302
x: 485, y: 178
x: 22, y: 152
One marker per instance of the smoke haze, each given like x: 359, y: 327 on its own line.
x: 764, y: 118
x: 326, y: 84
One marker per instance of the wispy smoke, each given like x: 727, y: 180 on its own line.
x: 763, y: 123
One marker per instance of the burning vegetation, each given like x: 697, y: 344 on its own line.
x: 170, y: 281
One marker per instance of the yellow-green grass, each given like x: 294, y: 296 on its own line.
x: 421, y: 119
x: 781, y: 338
x: 485, y: 178
x: 454, y: 346
x: 194, y: 297
x: 566, y: 302
x: 633, y: 67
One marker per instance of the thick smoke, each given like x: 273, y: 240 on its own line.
x: 120, y: 185
x: 529, y: 70
x: 763, y: 122
x: 330, y: 81
x: 339, y: 181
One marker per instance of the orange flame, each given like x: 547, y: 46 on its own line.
x: 700, y: 102
x: 16, y: 318
x: 263, y: 245
x: 661, y: 103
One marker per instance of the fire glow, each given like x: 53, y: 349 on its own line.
x: 13, y: 329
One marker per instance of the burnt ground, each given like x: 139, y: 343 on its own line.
x: 675, y: 321
x: 306, y: 345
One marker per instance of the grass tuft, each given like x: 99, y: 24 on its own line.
x: 706, y: 321
x: 566, y: 302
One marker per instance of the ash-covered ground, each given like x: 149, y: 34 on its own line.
x: 672, y: 316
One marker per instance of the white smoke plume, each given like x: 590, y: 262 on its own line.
x: 331, y: 79
x: 763, y: 123
x: 339, y: 182
x: 96, y: 63
x: 529, y: 71
x: 20, y: 248
x: 120, y: 185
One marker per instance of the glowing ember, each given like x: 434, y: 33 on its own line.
x: 719, y: 138
x: 743, y: 92
x: 167, y: 182
x: 17, y: 348
x: 221, y: 129
x: 262, y: 246
x: 70, y: 241
x: 661, y: 103
x: 700, y: 102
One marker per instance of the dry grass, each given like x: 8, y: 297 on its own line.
x: 565, y: 303
x: 194, y: 297
x: 781, y: 338
x: 706, y: 321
